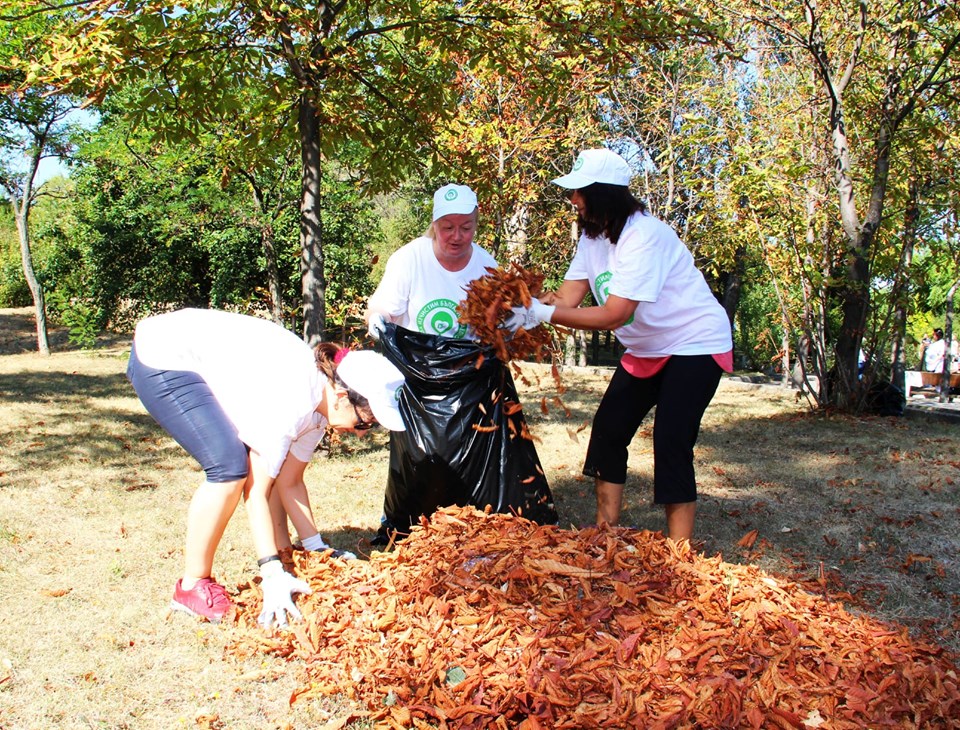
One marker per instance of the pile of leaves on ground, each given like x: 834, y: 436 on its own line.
x: 491, y: 621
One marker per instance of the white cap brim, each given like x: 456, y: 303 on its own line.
x: 387, y: 415
x: 573, y: 181
x: 379, y: 381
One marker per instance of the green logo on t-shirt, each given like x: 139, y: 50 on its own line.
x: 601, y: 286
x: 439, y: 317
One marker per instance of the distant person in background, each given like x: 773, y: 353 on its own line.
x: 249, y: 400
x: 933, y: 352
x: 676, y: 334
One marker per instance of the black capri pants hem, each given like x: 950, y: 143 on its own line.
x: 681, y: 392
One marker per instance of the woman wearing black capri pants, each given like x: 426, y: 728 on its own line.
x: 676, y: 335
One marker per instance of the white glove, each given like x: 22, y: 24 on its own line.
x: 278, y: 588
x: 528, y: 317
x: 376, y: 325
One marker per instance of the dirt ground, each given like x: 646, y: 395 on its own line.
x: 93, y: 498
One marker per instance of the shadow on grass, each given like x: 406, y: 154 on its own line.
x: 18, y: 334
x: 61, y: 387
x: 64, y: 422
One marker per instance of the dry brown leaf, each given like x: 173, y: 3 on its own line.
x: 55, y: 592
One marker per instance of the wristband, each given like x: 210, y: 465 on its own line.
x: 269, y: 559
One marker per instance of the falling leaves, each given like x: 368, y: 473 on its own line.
x: 601, y: 627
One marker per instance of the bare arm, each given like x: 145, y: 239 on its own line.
x: 612, y: 314
x: 570, y: 293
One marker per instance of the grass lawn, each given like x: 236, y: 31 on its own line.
x: 93, y: 497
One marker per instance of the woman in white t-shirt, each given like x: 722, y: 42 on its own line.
x: 676, y: 334
x: 249, y: 400
x: 426, y: 279
x: 934, y: 352
x: 450, y: 381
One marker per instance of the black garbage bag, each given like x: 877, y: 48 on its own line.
x: 451, y: 386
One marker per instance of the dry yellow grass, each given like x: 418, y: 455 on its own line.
x: 93, y: 498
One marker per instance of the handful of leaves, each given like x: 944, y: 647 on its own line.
x: 488, y: 303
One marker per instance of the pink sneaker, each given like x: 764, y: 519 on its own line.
x: 207, y: 599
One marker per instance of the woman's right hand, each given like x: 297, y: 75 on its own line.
x: 278, y: 588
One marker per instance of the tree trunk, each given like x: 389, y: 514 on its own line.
x: 854, y: 292
x: 268, y: 241
x: 312, y: 281
x: 22, y: 216
x: 515, y: 234
x: 911, y: 217
x: 733, y: 285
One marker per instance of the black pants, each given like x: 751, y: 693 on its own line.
x: 681, y: 392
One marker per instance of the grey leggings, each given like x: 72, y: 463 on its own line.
x: 185, y: 407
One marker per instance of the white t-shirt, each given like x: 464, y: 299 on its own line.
x: 263, y: 376
x: 419, y: 294
x: 676, y: 313
x: 933, y: 356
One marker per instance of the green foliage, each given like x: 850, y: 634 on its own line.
x: 81, y: 317
x: 351, y: 234
x: 14, y: 291
x: 160, y: 227
x: 404, y: 215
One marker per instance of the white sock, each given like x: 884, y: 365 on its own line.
x: 315, y: 542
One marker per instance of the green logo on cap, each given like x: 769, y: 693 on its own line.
x: 451, y: 194
x: 578, y: 164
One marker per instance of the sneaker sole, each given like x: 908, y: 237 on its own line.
x: 174, y: 606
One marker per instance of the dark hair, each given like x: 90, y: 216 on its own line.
x: 607, y: 209
x: 326, y: 356
x: 938, y: 332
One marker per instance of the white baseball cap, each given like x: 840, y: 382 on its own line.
x: 596, y: 166
x: 454, y: 200
x: 378, y: 380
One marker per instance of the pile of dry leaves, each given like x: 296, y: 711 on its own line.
x: 491, y: 621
